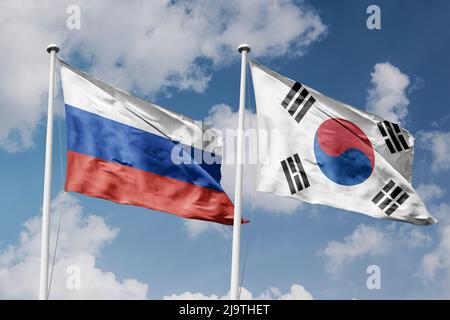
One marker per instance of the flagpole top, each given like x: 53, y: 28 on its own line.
x: 244, y: 47
x: 52, y: 47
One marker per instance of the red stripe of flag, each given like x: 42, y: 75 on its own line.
x: 119, y: 183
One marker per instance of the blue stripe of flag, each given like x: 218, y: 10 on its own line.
x: 109, y: 140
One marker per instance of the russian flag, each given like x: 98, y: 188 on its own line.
x: 130, y: 151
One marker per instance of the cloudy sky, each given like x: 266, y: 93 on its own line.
x: 182, y: 55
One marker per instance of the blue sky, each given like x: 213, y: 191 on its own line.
x: 195, y: 67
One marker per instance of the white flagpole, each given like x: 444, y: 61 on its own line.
x: 244, y: 49
x: 45, y: 239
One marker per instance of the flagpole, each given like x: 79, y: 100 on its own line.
x: 244, y: 49
x: 45, y: 238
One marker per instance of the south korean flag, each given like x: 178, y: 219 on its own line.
x: 319, y: 150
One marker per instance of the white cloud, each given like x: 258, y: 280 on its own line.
x: 364, y: 241
x: 438, y: 143
x: 191, y: 296
x: 435, y: 265
x: 387, y: 96
x: 367, y: 241
x: 429, y: 192
x: 81, y: 241
x: 194, y: 228
x: 296, y: 292
x: 143, y: 46
x: 25, y: 31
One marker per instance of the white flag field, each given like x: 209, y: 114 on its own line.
x: 327, y: 152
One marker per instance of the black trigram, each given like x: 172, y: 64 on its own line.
x: 393, y: 136
x: 301, y: 104
x: 295, y: 174
x: 390, y: 198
